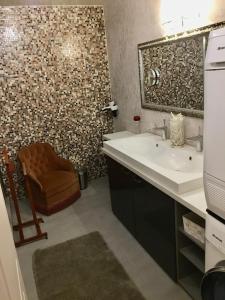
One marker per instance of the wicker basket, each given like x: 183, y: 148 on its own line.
x: 194, y: 226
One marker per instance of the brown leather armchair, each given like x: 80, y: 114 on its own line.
x: 52, y: 183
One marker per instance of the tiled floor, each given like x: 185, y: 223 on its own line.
x: 93, y: 212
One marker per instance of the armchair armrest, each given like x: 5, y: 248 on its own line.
x: 31, y: 176
x: 65, y: 164
x: 34, y: 178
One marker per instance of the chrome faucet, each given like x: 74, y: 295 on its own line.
x: 164, y: 130
x: 197, y: 140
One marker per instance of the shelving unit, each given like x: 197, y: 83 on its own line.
x: 197, y: 242
x: 195, y: 255
x: 191, y: 284
x: 190, y: 257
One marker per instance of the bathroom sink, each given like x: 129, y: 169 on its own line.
x: 179, y: 169
x: 180, y: 161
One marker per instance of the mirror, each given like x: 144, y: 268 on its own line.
x: 172, y: 72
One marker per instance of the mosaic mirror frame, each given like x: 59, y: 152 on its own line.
x: 171, y: 71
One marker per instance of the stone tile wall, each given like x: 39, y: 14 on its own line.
x: 181, y: 67
x: 54, y: 80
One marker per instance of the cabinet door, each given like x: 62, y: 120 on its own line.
x: 121, y: 190
x: 155, y: 225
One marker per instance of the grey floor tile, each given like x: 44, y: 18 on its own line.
x: 90, y: 213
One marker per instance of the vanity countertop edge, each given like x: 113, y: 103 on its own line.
x: 194, y: 200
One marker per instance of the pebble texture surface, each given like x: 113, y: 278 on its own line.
x: 181, y: 66
x: 54, y: 80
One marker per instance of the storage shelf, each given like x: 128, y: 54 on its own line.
x: 192, y: 285
x: 195, y: 256
x: 197, y: 242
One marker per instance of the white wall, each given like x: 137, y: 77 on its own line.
x: 128, y: 23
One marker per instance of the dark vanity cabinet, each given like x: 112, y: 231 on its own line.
x: 146, y: 212
x: 122, y: 189
x: 155, y: 225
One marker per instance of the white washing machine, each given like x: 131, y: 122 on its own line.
x: 215, y: 242
x: 213, y: 283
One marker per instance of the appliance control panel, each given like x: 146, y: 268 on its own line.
x: 215, y: 233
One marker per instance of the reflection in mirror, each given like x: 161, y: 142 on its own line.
x: 172, y: 72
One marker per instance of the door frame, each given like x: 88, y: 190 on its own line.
x: 11, y: 280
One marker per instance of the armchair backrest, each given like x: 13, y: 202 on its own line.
x: 38, y: 158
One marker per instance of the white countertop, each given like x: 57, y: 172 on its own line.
x: 193, y: 200
x: 117, y: 135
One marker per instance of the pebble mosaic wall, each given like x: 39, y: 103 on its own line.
x: 181, y: 65
x: 54, y: 80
